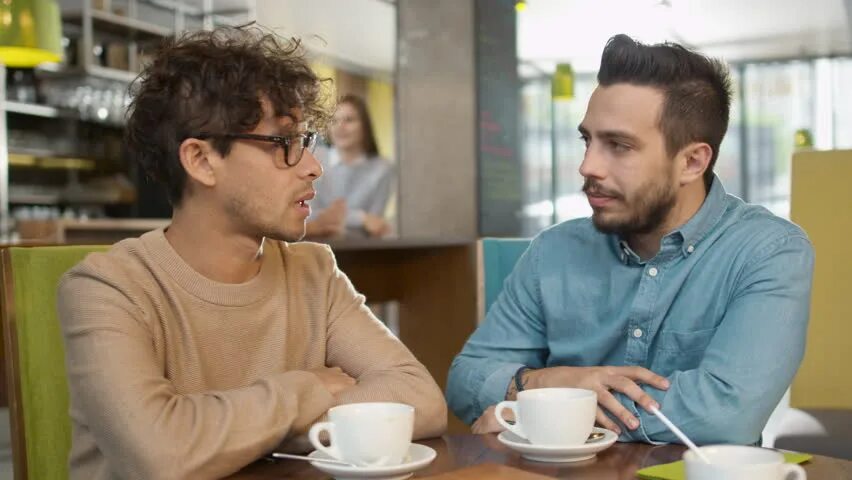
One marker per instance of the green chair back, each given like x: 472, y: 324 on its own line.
x: 497, y: 258
x: 35, y: 358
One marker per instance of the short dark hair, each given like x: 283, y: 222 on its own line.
x: 696, y: 89
x: 368, y: 139
x: 212, y: 82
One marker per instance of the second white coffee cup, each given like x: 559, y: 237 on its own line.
x: 733, y: 462
x: 367, y: 434
x: 551, y: 416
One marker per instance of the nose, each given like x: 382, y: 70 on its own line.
x: 310, y: 166
x: 593, y: 166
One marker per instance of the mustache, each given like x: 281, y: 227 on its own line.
x: 591, y: 187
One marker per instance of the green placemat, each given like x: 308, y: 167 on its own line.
x: 676, y: 471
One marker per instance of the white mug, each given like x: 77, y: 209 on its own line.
x: 733, y: 462
x: 367, y: 434
x: 552, y: 416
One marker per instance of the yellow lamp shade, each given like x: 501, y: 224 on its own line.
x: 30, y: 33
x: 562, y: 86
x: 803, y: 138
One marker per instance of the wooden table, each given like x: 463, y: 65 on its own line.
x: 619, y: 462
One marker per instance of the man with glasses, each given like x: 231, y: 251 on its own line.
x: 196, y: 349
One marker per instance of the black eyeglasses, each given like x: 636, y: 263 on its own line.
x: 292, y: 146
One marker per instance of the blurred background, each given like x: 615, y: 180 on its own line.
x: 508, y: 79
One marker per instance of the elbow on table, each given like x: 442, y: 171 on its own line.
x: 168, y: 460
x: 459, y: 398
x: 431, y: 420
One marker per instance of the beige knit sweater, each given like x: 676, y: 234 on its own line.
x: 173, y: 375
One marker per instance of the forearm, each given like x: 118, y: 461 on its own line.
x: 202, y: 435
x: 146, y: 428
x: 409, y: 384
x: 384, y: 368
x: 707, y: 409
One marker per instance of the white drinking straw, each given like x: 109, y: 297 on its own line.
x: 683, y: 438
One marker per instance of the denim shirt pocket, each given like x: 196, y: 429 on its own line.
x: 681, y: 350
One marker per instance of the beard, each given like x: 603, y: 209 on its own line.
x: 250, y: 220
x: 645, y: 213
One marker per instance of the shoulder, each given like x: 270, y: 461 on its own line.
x: 120, y: 278
x: 758, y: 232
x: 125, y: 263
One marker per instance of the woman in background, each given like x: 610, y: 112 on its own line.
x: 353, y: 193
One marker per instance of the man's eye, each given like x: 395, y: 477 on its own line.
x: 618, y: 146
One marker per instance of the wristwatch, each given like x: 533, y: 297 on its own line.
x: 519, y: 385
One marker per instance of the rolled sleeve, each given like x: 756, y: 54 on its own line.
x: 494, y: 387
x: 512, y: 336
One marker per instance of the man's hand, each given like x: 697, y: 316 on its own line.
x: 334, y: 380
x: 487, y: 423
x: 375, y: 225
x: 333, y: 218
x: 603, y: 380
x: 330, y: 222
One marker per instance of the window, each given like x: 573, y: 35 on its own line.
x: 772, y: 101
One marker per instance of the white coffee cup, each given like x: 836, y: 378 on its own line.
x: 367, y: 434
x: 733, y: 462
x: 552, y: 416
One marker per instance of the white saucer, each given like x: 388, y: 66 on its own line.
x: 418, y: 457
x: 557, y: 454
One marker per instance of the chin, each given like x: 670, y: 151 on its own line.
x: 607, y: 225
x: 287, y: 235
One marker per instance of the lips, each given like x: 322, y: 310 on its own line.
x: 599, y: 197
x: 599, y: 200
x: 307, y: 197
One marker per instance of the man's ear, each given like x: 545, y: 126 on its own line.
x: 695, y: 161
x: 195, y: 157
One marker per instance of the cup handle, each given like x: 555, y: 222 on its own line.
x: 793, y: 472
x: 314, y: 436
x: 513, y: 406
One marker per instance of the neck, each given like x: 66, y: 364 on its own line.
x: 689, y: 200
x: 211, y: 246
x: 350, y: 155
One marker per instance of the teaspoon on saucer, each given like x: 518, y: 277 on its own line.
x: 309, y: 459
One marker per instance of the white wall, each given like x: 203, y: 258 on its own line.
x: 349, y: 33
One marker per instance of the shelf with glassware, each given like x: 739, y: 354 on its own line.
x: 62, y: 167
x: 106, y: 44
x: 64, y: 122
x: 45, y: 111
x: 117, y: 24
x: 109, y: 38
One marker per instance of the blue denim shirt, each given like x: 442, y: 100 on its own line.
x: 721, y: 311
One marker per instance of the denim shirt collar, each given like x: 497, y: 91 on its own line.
x: 684, y: 239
